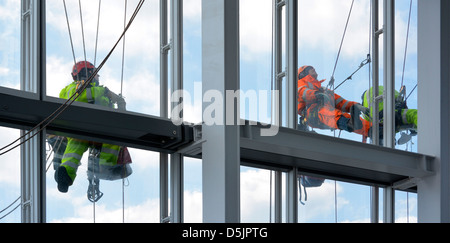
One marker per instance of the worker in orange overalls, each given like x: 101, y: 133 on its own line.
x: 323, y: 109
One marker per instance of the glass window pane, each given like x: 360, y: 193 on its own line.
x: 193, y: 205
x: 405, y: 207
x: 406, y: 73
x: 256, y: 59
x: 329, y: 201
x: 10, y: 179
x: 339, y: 50
x: 321, y: 47
x: 255, y: 195
x: 131, y: 71
x: 10, y: 44
x: 192, y: 61
x: 134, y: 199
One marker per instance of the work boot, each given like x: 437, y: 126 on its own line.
x: 63, y: 179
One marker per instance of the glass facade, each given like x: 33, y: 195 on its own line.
x: 99, y: 194
x: 10, y: 182
x: 133, y: 73
x: 337, y: 40
x: 10, y: 44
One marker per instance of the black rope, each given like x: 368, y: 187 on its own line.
x: 14, y: 209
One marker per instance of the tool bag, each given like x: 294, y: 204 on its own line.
x: 308, y: 182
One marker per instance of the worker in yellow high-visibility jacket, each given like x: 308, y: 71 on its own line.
x: 95, y: 94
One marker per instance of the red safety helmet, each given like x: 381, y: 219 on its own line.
x: 82, y: 70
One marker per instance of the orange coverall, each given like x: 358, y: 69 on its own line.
x: 326, y: 114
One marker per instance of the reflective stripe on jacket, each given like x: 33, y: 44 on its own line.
x: 93, y: 95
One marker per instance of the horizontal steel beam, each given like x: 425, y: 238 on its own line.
x: 330, y: 157
x: 95, y: 123
x: 311, y: 153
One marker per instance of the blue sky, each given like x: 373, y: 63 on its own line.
x: 321, y: 28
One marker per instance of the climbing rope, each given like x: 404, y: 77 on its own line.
x: 70, y: 32
x: 96, y: 35
x: 406, y: 45
x: 331, y: 83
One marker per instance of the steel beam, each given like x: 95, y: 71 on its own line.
x: 105, y: 125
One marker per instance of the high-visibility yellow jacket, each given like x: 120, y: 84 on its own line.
x: 75, y: 147
x: 404, y: 117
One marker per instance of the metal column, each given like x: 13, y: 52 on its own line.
x: 433, y: 106
x: 291, y: 60
x: 33, y: 152
x: 279, y: 74
x: 176, y: 160
x: 291, y: 100
x: 221, y: 149
x: 389, y: 74
x: 389, y: 98
x: 164, y: 111
x: 175, y: 47
x: 375, y: 100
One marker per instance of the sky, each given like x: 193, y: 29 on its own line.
x: 321, y: 25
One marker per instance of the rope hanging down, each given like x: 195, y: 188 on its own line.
x: 47, y: 121
x: 331, y: 83
x: 365, y: 62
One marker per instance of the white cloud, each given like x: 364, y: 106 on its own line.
x: 142, y: 35
x: 321, y: 202
x: 321, y: 26
x: 9, y: 162
x: 255, y: 196
x: 255, y: 28
x: 4, y: 71
x: 9, y: 11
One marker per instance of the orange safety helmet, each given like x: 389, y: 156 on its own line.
x: 82, y: 70
x: 304, y: 71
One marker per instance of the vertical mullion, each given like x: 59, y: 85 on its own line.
x: 164, y: 170
x: 176, y: 160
